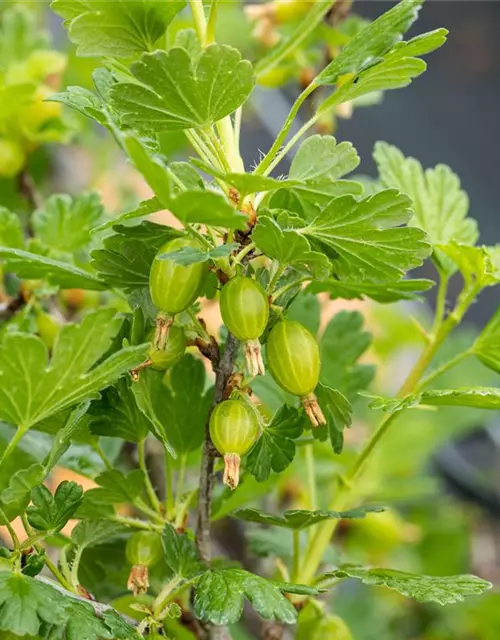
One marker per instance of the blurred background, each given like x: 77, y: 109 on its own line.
x: 440, y: 472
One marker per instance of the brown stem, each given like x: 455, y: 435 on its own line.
x: 223, y: 370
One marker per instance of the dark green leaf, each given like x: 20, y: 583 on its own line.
x: 152, y: 168
x: 300, y: 519
x: 275, y: 449
x: 56, y: 272
x: 52, y: 512
x: 380, y: 292
x: 443, y: 590
x: 117, y: 415
x: 16, y: 497
x: 64, y: 223
x: 36, y: 390
x: 219, y: 597
x: 338, y: 413
x: 178, y: 411
x: 88, y: 533
x: 125, y: 261
x: 181, y: 555
x: 172, y: 91
x: 206, y: 207
x: 342, y: 344
x: 116, y: 488
x: 118, y: 29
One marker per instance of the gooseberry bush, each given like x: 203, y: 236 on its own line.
x: 107, y: 365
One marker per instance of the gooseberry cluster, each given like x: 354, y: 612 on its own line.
x: 292, y: 352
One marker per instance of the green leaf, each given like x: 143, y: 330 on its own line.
x: 16, y: 497
x: 487, y: 346
x: 439, y: 204
x: 27, y: 605
x: 384, y: 292
x: 117, y: 415
x: 11, y: 234
x: 62, y: 274
x: 372, y: 42
x: 301, y: 519
x: 181, y: 554
x: 288, y: 247
x: 206, y: 207
x: 476, y: 397
x: 395, y: 70
x: 179, y: 410
x: 85, y: 624
x: 219, y: 597
x: 422, y: 588
x: 479, y: 266
x: 127, y: 256
x: 192, y: 255
x: 116, y: 488
x: 275, y: 449
x: 244, y: 183
x: 52, y: 512
x: 172, y: 91
x: 144, y: 208
x: 119, y: 29
x: 64, y: 223
x: 74, y: 426
x: 31, y: 390
x: 152, y: 168
x: 342, y: 344
x: 84, y: 101
x: 338, y: 413
x: 366, y: 239
x: 89, y: 533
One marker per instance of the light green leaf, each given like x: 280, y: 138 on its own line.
x: 342, y: 343
x: 192, y: 255
x: 206, y: 207
x: 439, y: 204
x: 172, y: 91
x: 479, y: 266
x: 365, y: 238
x: 64, y: 223
x: 299, y: 519
x: 287, y: 246
x: 27, y: 605
x: 443, y: 590
x: 51, y: 512
x: 84, y: 101
x: 181, y: 554
x: 16, y: 497
x: 395, y: 70
x: 116, y: 488
x: 244, y: 183
x: 476, y: 397
x: 219, y: 597
x: 117, y: 415
x: 152, y: 168
x: 338, y: 413
x: 31, y: 390
x: 275, y: 449
x: 120, y: 29
x: 178, y: 411
x: 62, y: 274
x: 487, y: 345
x: 372, y: 42
x: 384, y: 292
x: 11, y: 234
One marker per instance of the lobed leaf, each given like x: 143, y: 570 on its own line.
x: 51, y: 512
x: 384, y: 292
